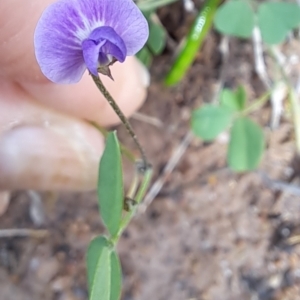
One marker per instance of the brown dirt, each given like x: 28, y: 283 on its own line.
x: 210, y: 233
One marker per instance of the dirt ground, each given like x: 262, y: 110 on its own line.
x: 210, y: 234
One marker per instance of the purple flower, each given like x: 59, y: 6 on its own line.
x: 74, y: 35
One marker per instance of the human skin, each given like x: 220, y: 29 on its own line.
x: 46, y: 142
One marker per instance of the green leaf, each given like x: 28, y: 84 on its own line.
x: 116, y: 277
x: 145, y: 56
x: 100, y: 264
x: 234, y: 100
x: 235, y: 18
x: 210, y: 120
x: 157, y: 37
x: 246, y: 145
x: 110, y: 185
x: 276, y: 19
x: 240, y: 95
x: 228, y: 99
x: 99, y: 269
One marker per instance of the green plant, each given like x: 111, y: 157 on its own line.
x: 247, y: 142
x: 157, y: 33
x: 116, y: 211
x: 274, y: 19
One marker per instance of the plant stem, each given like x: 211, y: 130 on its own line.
x: 257, y: 103
x: 122, y: 117
x: 138, y: 198
x: 123, y: 148
x: 296, y: 113
x: 195, y: 38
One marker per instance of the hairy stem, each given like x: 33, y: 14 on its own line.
x: 258, y: 103
x: 124, y: 149
x: 122, y: 117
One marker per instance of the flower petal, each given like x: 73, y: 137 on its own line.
x: 57, y: 46
x: 91, y: 54
x: 114, y: 45
x: 122, y: 15
x: 64, y: 25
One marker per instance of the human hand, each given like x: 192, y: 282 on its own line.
x: 45, y: 141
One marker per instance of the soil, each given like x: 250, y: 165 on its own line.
x: 209, y: 234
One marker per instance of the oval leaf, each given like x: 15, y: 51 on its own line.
x: 209, y: 121
x: 235, y: 18
x: 116, y: 277
x: 99, y: 269
x: 110, y: 185
x: 276, y: 19
x: 228, y: 99
x: 234, y: 100
x: 93, y: 254
x: 113, y: 272
x: 145, y: 56
x: 246, y: 145
x: 241, y: 96
x: 157, y: 37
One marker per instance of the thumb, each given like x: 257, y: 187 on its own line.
x: 43, y: 149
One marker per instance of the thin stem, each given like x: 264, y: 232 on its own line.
x: 257, y: 103
x: 15, y: 232
x: 296, y: 113
x: 123, y: 148
x: 139, y: 196
x: 122, y: 117
x: 133, y: 187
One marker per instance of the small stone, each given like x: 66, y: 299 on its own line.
x: 61, y: 283
x: 47, y: 269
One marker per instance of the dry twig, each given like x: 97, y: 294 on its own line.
x: 173, y: 161
x: 260, y: 66
x: 15, y: 232
x: 279, y: 185
x: 147, y: 119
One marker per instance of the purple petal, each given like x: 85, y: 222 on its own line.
x: 114, y: 45
x: 64, y: 25
x: 122, y: 15
x: 127, y: 21
x: 102, y: 44
x: 91, y: 54
x: 57, y: 48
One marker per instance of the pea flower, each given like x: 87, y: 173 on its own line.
x: 74, y: 35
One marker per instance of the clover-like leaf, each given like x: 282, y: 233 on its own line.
x: 246, y: 145
x: 210, y: 120
x: 234, y: 100
x: 235, y: 18
x: 276, y: 19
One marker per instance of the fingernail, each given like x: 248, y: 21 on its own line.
x: 40, y: 158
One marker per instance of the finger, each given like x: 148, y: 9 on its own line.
x: 84, y: 100
x: 18, y: 63
x: 44, y: 150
